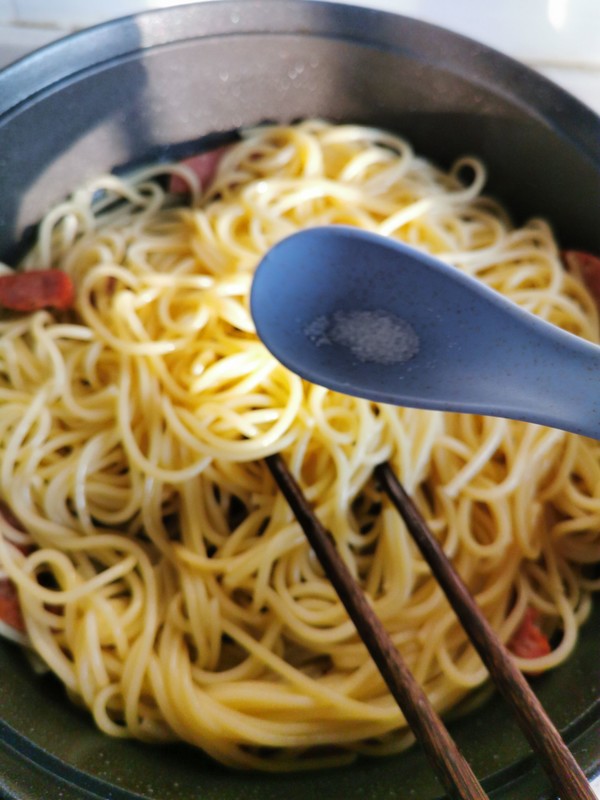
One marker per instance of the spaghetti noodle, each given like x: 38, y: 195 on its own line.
x: 160, y: 575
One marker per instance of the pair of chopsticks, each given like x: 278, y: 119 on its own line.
x: 566, y: 777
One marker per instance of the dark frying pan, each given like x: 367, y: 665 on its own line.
x: 150, y: 87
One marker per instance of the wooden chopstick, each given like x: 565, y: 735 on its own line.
x: 567, y: 778
x: 452, y: 768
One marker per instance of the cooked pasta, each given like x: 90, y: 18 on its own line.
x: 160, y: 574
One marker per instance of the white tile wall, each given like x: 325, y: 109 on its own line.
x: 541, y: 30
x: 80, y: 13
x: 8, y: 12
x: 17, y: 40
x: 560, y: 38
x: 534, y: 30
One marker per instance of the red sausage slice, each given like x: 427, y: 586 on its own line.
x: 32, y: 291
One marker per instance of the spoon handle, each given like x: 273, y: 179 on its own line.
x: 552, y: 380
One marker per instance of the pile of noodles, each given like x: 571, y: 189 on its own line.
x: 162, y: 577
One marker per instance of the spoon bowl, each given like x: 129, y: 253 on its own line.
x: 368, y: 316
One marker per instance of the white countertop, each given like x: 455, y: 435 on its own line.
x: 559, y: 38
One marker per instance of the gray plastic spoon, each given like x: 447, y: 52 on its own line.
x: 367, y: 316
